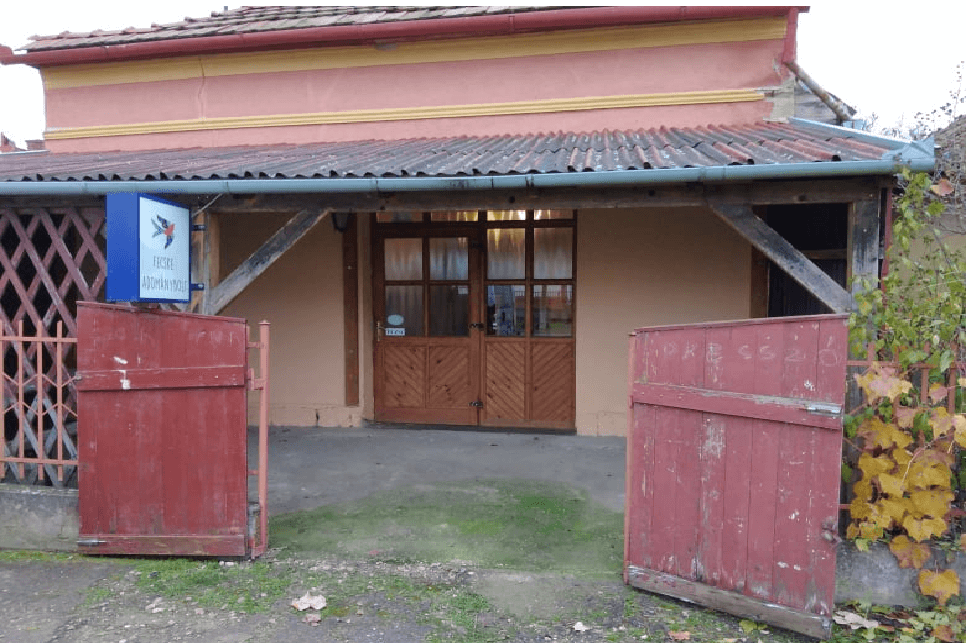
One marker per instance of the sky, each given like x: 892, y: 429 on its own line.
x: 887, y: 59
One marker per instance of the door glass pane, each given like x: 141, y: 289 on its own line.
x: 449, y: 311
x: 449, y: 259
x: 398, y: 217
x: 552, y: 214
x: 553, y: 253
x: 506, y: 311
x: 553, y: 311
x: 404, y: 259
x: 506, y: 256
x: 404, y: 311
x: 506, y: 215
x: 460, y: 215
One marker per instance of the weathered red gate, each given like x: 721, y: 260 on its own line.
x: 734, y: 456
x: 162, y: 410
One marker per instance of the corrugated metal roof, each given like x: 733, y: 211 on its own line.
x: 256, y: 19
x: 600, y: 151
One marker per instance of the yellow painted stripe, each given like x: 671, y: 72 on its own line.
x: 413, y: 113
x: 560, y: 42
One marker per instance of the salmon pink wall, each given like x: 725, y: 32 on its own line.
x: 705, y: 67
x: 583, y: 121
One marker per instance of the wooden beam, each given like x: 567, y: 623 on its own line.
x: 785, y: 256
x: 814, y: 625
x: 350, y: 310
x: 864, y: 222
x: 756, y: 193
x: 260, y: 260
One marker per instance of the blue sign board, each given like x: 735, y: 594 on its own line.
x: 148, y: 249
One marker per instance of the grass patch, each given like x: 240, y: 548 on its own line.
x: 523, y: 525
x: 16, y: 555
x: 241, y: 587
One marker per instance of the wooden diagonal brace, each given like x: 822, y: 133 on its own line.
x: 785, y: 256
x: 259, y: 261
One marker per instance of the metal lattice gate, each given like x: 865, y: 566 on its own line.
x: 50, y: 259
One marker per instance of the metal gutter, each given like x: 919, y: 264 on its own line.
x: 470, y: 26
x: 382, y: 185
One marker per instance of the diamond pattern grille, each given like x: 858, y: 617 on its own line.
x: 49, y: 260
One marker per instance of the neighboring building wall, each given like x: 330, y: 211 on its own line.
x: 301, y: 295
x: 675, y: 74
x: 646, y: 267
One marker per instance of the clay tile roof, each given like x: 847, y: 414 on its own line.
x: 257, y: 19
x: 603, y: 151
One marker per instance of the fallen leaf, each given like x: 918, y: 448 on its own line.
x: 312, y: 619
x: 944, y: 633
x: 307, y: 601
x: 943, y: 188
x: 580, y: 627
x: 680, y: 636
x: 853, y: 620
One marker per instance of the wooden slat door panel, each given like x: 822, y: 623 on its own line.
x: 506, y: 381
x: 162, y: 412
x: 732, y: 482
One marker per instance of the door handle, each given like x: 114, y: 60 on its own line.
x: 380, y: 329
x: 478, y: 326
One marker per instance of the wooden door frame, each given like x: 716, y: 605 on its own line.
x: 476, y: 231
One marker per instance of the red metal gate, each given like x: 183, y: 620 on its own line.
x: 162, y: 410
x: 733, y: 466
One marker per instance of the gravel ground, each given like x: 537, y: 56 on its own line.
x: 87, y: 600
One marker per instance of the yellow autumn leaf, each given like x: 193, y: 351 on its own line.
x: 921, y: 529
x: 881, y: 382
x: 879, y: 434
x: 862, y: 490
x: 909, y: 554
x: 902, y: 458
x: 895, y: 509
x: 941, y: 421
x: 872, y: 466
x: 933, y: 503
x: 860, y: 509
x: 923, y: 475
x: 892, y: 485
x: 852, y: 532
x: 959, y: 428
x: 939, y: 585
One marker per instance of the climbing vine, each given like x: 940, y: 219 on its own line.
x: 909, y: 434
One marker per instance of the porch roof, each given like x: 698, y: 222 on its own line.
x: 799, y: 149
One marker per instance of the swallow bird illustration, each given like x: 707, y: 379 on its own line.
x: 165, y: 227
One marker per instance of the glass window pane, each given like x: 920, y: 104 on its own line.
x: 506, y: 253
x: 506, y: 311
x: 449, y: 311
x: 459, y: 215
x: 553, y: 250
x: 552, y: 214
x: 398, y: 217
x: 404, y: 311
x: 404, y: 259
x: 553, y: 311
x: 449, y: 259
x: 507, y: 215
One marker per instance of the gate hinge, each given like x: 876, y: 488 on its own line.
x: 823, y: 408
x: 90, y: 542
x: 478, y: 404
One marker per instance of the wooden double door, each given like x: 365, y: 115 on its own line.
x: 474, y: 320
